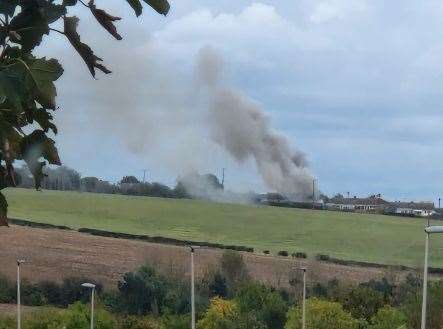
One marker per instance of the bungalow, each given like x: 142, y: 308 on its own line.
x: 374, y: 203
x: 418, y: 209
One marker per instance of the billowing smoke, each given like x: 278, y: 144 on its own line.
x: 180, y: 123
x: 242, y: 127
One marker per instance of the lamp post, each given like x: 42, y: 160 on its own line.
x: 92, y: 287
x: 304, y: 269
x: 428, y: 230
x: 19, y: 315
x: 192, y: 249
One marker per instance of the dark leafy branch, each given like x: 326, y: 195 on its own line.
x: 27, y: 83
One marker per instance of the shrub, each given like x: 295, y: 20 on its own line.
x: 233, y: 268
x: 263, y: 303
x: 7, y: 291
x: 266, y: 252
x: 78, y: 316
x: 45, y: 319
x: 363, y: 302
x: 388, y: 318
x: 323, y: 257
x: 133, y: 322
x: 299, y: 255
x: 321, y: 315
x: 283, y: 253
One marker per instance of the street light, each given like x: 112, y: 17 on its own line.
x: 92, y: 287
x: 192, y: 249
x: 304, y: 269
x: 428, y: 230
x: 19, y: 315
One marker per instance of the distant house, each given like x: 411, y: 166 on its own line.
x: 418, y: 209
x: 374, y: 203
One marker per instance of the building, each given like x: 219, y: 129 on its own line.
x: 373, y: 204
x: 413, y: 209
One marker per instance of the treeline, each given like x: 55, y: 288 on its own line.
x: 66, y: 179
x: 227, y: 298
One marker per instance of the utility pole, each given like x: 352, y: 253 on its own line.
x: 223, y: 177
x: 144, y: 175
x: 313, y: 193
x: 439, y: 200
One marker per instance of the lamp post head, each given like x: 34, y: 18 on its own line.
x: 303, y: 269
x: 88, y: 285
x: 20, y: 261
x: 434, y: 229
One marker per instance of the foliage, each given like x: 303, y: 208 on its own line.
x: 145, y: 291
x: 412, y: 307
x: 321, y: 314
x: 27, y: 83
x: 363, y: 302
x: 218, y: 286
x: 220, y: 315
x: 78, y: 316
x: 233, y: 268
x: 388, y: 318
x: 265, y: 304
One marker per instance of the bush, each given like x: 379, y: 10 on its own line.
x: 7, y: 291
x: 299, y: 255
x: 321, y: 314
x: 266, y: 252
x: 266, y: 305
x: 78, y: 316
x: 322, y: 257
x: 283, y: 253
x: 363, y: 302
x: 133, y: 322
x: 388, y: 318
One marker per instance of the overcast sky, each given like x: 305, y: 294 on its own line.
x: 356, y: 85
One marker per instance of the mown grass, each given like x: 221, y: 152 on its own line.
x: 360, y: 237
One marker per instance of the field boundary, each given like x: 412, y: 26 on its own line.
x: 183, y: 243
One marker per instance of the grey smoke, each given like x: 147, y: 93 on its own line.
x: 176, y: 120
x: 242, y: 127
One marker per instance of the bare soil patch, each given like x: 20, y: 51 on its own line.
x: 56, y: 254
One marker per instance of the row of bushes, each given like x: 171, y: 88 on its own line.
x: 46, y: 293
x: 159, y: 239
x: 146, y: 238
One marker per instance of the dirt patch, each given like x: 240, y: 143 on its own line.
x: 56, y: 254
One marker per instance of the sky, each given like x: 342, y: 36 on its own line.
x: 356, y: 85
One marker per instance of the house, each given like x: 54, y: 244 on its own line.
x: 374, y: 203
x: 413, y: 209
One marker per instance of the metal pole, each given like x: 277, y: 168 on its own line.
x: 19, y: 324
x: 92, y: 307
x: 425, y: 285
x: 192, y: 290
x: 304, y: 300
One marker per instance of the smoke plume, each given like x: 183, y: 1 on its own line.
x: 241, y: 126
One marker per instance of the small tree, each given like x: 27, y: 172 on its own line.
x: 321, y: 315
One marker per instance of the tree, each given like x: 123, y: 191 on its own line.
x: 363, y: 302
x: 266, y: 305
x: 321, y: 315
x: 233, y: 268
x: 27, y: 89
x: 129, y: 180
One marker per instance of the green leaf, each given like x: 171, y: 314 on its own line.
x: 30, y: 25
x: 69, y: 2
x: 7, y: 7
x: 3, y: 211
x: 91, y: 60
x: 161, y: 6
x: 136, y: 5
x: 12, y: 89
x: 44, y: 73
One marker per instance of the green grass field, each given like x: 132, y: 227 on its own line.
x: 372, y: 238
